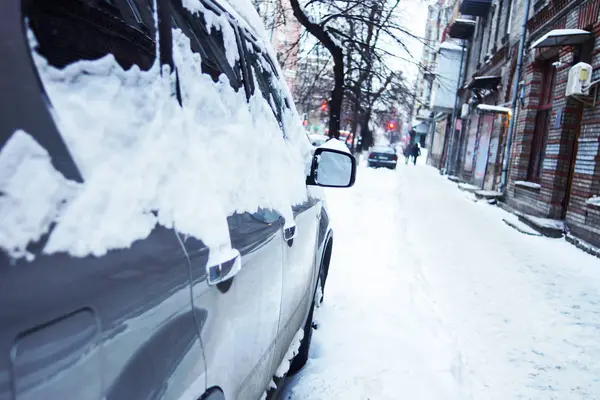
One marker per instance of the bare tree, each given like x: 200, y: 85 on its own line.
x: 358, y: 35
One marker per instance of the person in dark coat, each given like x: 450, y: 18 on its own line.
x: 415, y: 152
x: 407, y: 152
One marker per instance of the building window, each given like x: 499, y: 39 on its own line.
x: 498, y: 20
x: 507, y: 22
x: 542, y: 123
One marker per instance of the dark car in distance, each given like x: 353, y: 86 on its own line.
x: 162, y: 316
x: 382, y: 156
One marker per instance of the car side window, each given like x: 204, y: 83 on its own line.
x: 209, y: 45
x: 70, y: 31
x: 267, y: 80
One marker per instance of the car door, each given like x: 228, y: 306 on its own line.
x: 113, y: 325
x: 300, y: 238
x: 238, y: 334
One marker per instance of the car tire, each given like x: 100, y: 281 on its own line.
x: 302, y: 357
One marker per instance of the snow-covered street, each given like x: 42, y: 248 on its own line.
x: 430, y: 295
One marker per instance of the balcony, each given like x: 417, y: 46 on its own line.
x: 462, y: 29
x: 477, y: 8
x: 485, y: 82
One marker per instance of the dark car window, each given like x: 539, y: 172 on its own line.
x: 266, y: 79
x: 72, y: 30
x: 383, y: 149
x: 209, y: 46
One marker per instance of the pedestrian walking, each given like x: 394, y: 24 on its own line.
x: 416, y: 152
x: 407, y: 152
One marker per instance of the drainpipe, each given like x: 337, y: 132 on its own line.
x: 450, y: 153
x: 432, y: 135
x: 515, y: 96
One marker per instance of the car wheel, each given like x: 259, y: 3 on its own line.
x: 302, y: 357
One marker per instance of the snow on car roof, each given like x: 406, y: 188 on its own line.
x: 383, y: 149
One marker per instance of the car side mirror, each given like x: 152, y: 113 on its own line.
x: 332, y: 168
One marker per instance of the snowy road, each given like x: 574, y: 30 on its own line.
x: 431, y: 296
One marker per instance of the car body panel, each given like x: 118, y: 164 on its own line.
x: 134, y: 296
x: 142, y: 322
x: 242, y: 314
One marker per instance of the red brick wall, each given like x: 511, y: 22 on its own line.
x: 584, y: 219
x: 577, y: 136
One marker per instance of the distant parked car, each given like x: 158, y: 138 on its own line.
x: 317, y: 140
x: 382, y: 156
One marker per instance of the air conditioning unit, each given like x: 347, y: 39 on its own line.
x: 580, y: 78
x: 464, y: 111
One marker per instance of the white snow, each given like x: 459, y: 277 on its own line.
x: 494, y: 109
x: 466, y: 21
x: 557, y: 37
x: 595, y: 201
x: 545, y: 222
x: 290, y: 354
x: 32, y: 193
x: 527, y: 184
x: 147, y: 161
x: 218, y: 22
x: 450, y: 46
x: 335, y: 144
x: 442, y: 300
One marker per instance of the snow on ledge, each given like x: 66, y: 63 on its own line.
x: 494, y: 109
x: 529, y: 185
x: 553, y: 37
x: 593, y: 201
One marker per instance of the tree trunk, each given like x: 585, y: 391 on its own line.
x: 323, y: 36
x: 337, y: 94
x: 367, y: 135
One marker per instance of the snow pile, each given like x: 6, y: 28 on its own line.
x: 32, y: 193
x: 146, y: 160
x: 290, y: 354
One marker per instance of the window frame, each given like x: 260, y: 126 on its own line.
x: 542, y: 123
x: 284, y: 103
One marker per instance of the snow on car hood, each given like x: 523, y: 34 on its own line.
x: 146, y: 160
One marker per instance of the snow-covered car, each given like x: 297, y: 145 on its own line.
x: 317, y: 140
x: 382, y: 156
x: 163, y: 229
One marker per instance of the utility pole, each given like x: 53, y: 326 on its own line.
x: 453, y: 124
x: 515, y: 96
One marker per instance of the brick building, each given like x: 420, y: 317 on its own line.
x: 490, y: 32
x: 555, y: 163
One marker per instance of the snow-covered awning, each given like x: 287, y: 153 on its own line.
x: 562, y: 37
x: 450, y: 46
x: 493, y: 109
x: 485, y: 82
x: 423, y: 127
x: 462, y: 29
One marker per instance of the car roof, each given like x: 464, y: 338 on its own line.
x: 383, y: 149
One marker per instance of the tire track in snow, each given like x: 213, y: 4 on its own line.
x: 379, y: 332
x: 422, y: 288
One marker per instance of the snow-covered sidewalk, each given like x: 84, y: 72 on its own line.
x: 431, y: 296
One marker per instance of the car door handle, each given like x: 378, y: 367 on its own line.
x: 289, y: 233
x: 223, y: 271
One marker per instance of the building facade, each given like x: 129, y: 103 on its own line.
x: 554, y: 161
x: 422, y: 117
